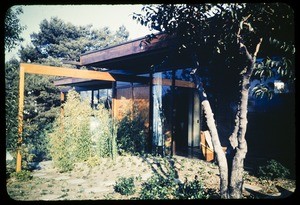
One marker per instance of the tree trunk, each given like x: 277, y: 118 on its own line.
x: 220, y: 155
x: 237, y: 171
x: 233, y: 189
x: 236, y: 177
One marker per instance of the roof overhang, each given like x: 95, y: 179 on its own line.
x: 127, y: 60
x: 137, y: 56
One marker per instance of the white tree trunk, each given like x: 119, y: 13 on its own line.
x: 220, y: 155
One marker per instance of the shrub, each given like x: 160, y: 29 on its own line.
x: 191, y: 190
x: 93, y: 161
x: 131, y: 136
x: 106, y: 133
x: 169, y: 187
x: 23, y: 175
x: 272, y: 170
x: 70, y: 140
x: 125, y: 186
x: 158, y: 187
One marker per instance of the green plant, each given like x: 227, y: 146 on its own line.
x: 93, y: 161
x: 131, y: 136
x: 125, y: 186
x: 23, y: 175
x: 191, y: 190
x: 106, y: 134
x: 70, y: 140
x: 158, y: 187
x: 272, y: 170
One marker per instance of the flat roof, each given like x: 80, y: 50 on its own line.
x: 137, y: 56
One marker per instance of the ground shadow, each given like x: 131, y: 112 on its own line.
x: 158, y: 169
x: 283, y: 193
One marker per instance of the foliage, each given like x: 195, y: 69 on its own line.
x: 55, y: 40
x: 131, y: 137
x: 41, y: 107
x: 106, y: 143
x: 62, y: 40
x: 11, y: 103
x: 23, y: 175
x: 210, y: 31
x: 191, y: 190
x: 159, y: 187
x: 125, y: 186
x: 32, y: 147
x: 238, y: 42
x: 93, y: 161
x: 72, y: 139
x: 13, y: 28
x: 272, y: 170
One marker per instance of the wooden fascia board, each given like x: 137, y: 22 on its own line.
x: 125, y: 50
x: 126, y: 78
x: 66, y: 72
x: 178, y: 83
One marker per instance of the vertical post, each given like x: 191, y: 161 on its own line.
x: 62, y: 99
x: 20, y: 119
x: 172, y: 114
x: 132, y: 101
x: 113, y: 102
x: 150, y: 110
x: 92, y: 100
x: 113, y: 116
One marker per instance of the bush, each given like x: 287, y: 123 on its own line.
x: 70, y: 140
x: 272, y: 170
x: 191, y: 190
x: 73, y: 140
x: 125, y: 186
x: 159, y: 187
x: 93, y: 161
x: 106, y: 133
x: 23, y: 175
x: 131, y: 136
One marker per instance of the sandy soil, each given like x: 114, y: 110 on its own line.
x: 96, y: 183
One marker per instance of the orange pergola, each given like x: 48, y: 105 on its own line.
x: 54, y: 71
x: 79, y: 74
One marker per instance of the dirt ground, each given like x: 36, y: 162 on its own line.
x: 97, y: 183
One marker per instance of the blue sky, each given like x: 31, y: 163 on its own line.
x: 112, y: 16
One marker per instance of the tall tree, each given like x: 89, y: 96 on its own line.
x: 12, y: 37
x: 13, y: 28
x: 61, y: 40
x: 253, y: 41
x: 11, y: 103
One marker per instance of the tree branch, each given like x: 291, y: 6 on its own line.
x: 241, y: 23
x: 257, y: 47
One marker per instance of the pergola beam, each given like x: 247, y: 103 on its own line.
x: 128, y: 78
x: 66, y: 72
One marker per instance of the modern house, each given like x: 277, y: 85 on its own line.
x: 155, y: 81
x: 159, y: 89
